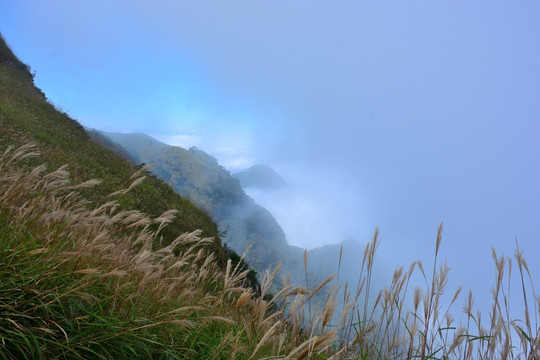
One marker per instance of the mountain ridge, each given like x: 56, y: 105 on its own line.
x: 243, y: 224
x: 199, y: 177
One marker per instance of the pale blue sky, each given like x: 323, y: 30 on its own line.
x: 400, y: 114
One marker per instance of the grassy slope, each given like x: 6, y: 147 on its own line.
x: 26, y: 116
x: 78, y: 281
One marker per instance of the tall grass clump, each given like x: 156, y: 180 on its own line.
x: 81, y: 280
x: 387, y: 325
x: 76, y: 281
x: 397, y: 323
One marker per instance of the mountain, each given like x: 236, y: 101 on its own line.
x: 243, y: 224
x: 261, y: 177
x: 212, y: 200
x: 197, y: 176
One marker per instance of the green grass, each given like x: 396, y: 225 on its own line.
x: 50, y: 305
x: 69, y: 288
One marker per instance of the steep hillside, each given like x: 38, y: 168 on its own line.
x: 79, y: 280
x: 26, y: 116
x: 197, y: 176
x: 242, y: 223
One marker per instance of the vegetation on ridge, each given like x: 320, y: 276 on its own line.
x: 198, y: 177
x: 244, y: 224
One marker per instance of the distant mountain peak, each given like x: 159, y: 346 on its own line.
x: 260, y: 176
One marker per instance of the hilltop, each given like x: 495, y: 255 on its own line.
x: 260, y: 176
